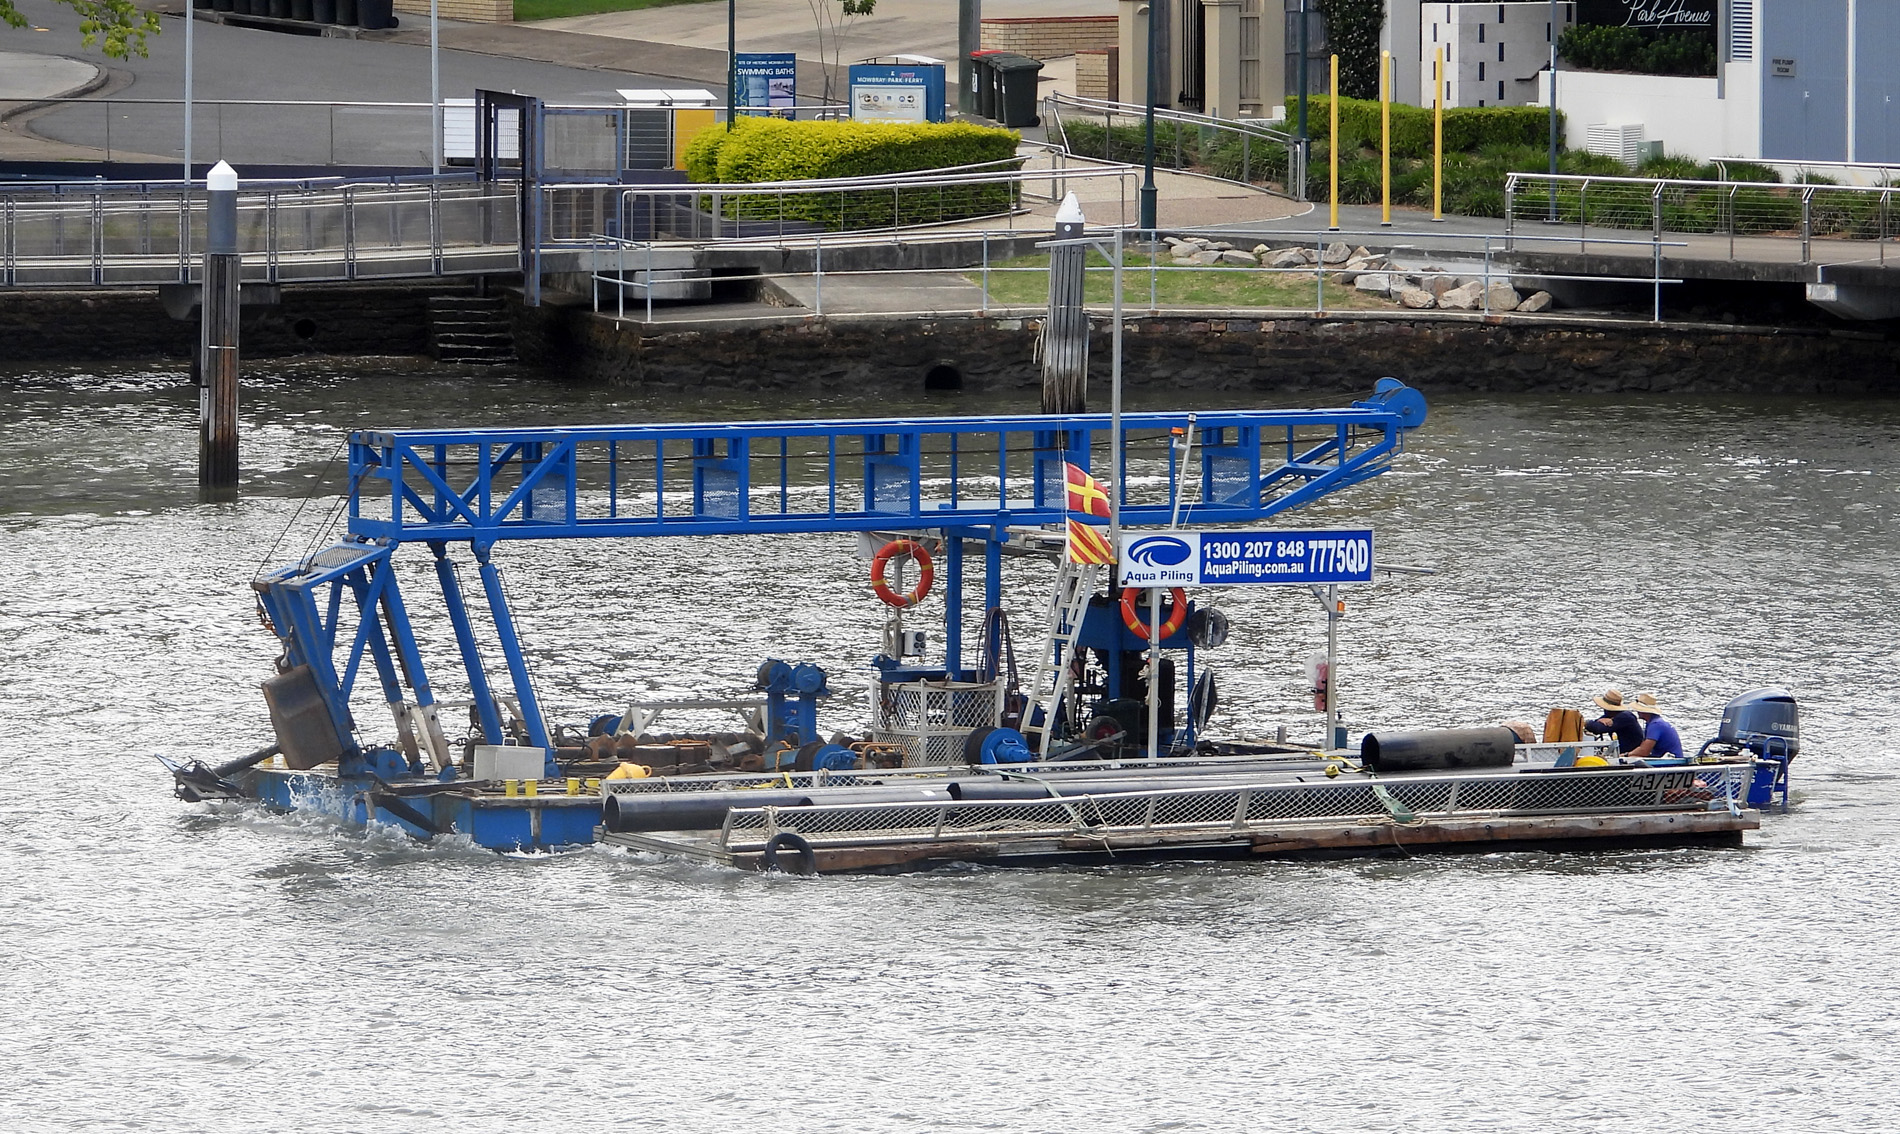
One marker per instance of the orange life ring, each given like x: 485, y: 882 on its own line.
x: 882, y: 559
x: 1131, y: 617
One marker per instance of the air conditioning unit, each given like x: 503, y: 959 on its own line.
x: 1620, y: 140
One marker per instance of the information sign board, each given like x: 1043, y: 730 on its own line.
x: 905, y: 92
x: 767, y: 79
x: 1261, y: 558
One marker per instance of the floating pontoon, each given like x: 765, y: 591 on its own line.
x: 1095, y: 760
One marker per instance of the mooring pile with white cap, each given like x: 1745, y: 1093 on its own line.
x: 1065, y: 332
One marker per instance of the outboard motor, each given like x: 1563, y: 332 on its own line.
x: 1766, y: 723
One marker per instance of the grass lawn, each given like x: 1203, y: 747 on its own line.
x: 1202, y: 286
x: 526, y: 10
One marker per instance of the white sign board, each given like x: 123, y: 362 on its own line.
x: 890, y: 103
x: 1260, y: 558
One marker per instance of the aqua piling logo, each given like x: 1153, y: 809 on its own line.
x: 1161, y: 561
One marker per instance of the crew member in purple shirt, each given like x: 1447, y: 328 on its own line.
x: 1619, y: 720
x: 1660, y: 738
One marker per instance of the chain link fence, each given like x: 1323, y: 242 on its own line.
x: 1238, y: 809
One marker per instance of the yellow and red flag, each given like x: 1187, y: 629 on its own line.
x: 1086, y: 494
x: 1089, y: 544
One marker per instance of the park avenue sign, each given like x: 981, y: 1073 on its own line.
x: 1648, y: 13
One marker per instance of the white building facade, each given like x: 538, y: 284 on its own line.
x: 1493, y: 52
x: 1797, y: 81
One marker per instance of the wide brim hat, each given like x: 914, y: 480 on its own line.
x: 1611, y: 702
x: 1645, y: 703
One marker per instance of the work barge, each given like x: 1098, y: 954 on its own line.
x: 1092, y: 757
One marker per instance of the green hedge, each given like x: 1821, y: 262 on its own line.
x: 1466, y: 127
x: 774, y: 149
x: 1608, y: 48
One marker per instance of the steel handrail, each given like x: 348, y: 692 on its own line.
x: 1726, y: 222
x: 719, y: 195
x: 1247, y: 130
x: 1167, y: 114
x: 1512, y: 180
x: 97, y: 252
x: 848, y: 184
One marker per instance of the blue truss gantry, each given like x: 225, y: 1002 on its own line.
x: 971, y: 477
x: 485, y: 485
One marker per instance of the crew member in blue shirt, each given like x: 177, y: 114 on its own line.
x: 1616, y: 719
x: 1660, y: 738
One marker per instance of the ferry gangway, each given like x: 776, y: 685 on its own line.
x: 107, y: 233
x: 978, y: 479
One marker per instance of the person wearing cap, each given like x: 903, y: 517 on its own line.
x: 1660, y: 738
x: 1617, y: 719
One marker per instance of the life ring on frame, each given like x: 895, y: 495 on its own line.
x: 882, y: 560
x: 1131, y: 616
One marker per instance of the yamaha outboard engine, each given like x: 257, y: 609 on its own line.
x: 1765, y: 723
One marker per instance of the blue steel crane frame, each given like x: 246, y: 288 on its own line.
x: 972, y: 478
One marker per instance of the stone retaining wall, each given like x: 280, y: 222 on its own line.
x: 1293, y: 354
x: 130, y: 325
x: 1049, y: 37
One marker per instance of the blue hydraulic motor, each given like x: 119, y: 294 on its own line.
x: 791, y: 701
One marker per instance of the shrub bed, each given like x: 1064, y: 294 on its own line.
x: 774, y: 149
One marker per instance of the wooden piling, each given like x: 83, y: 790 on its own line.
x: 218, y: 335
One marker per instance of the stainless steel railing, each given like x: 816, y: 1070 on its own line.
x: 1322, y: 280
x: 1243, y: 150
x: 577, y: 214
x: 1729, y: 220
x: 117, y: 233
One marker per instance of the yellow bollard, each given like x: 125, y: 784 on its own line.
x: 593, y: 787
x: 1438, y: 133
x: 531, y: 787
x: 1385, y: 138
x: 1332, y: 146
x: 573, y: 786
x: 511, y: 787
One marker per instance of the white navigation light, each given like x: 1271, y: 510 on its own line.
x: 221, y: 178
x: 1071, y: 210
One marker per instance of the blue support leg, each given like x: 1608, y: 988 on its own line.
x: 465, y: 638
x: 368, y: 594
x: 953, y: 603
x: 405, y: 642
x: 511, y: 649
x: 993, y: 569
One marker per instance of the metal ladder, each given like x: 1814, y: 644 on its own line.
x: 1068, y: 602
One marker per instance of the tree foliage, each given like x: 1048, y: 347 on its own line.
x: 833, y: 18
x: 117, y: 27
x: 1352, y: 28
